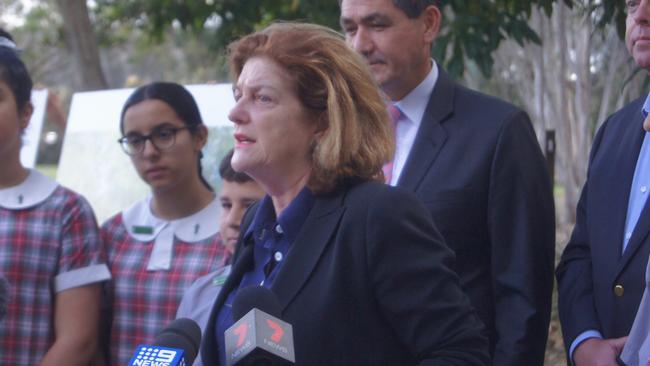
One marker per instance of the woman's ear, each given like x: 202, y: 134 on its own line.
x: 321, y: 125
x: 25, y: 115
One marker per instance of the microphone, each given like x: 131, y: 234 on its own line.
x: 4, y: 297
x: 259, y: 337
x: 176, y: 345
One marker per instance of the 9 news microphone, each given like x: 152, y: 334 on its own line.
x: 176, y: 345
x: 259, y: 337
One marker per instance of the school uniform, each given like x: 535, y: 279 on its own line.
x: 49, y: 243
x: 199, y: 297
x: 153, y: 261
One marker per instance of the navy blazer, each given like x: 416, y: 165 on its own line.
x: 477, y: 167
x: 367, y: 282
x: 592, y: 265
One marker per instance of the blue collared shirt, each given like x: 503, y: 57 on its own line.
x: 272, y: 238
x: 640, y: 184
x: 639, y: 192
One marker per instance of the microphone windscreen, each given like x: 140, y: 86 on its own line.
x: 258, y: 297
x: 182, y: 333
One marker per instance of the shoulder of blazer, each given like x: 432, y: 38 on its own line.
x: 449, y: 100
x: 628, y: 113
x: 356, y: 194
x: 375, y: 195
x: 617, y: 123
x: 484, y: 101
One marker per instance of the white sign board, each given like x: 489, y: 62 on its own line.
x: 32, y: 134
x: 93, y: 164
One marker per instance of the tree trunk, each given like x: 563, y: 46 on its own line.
x: 563, y: 124
x: 80, y: 37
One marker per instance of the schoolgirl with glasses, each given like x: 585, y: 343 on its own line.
x: 160, y: 245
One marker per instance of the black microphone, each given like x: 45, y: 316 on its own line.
x: 176, y: 345
x: 4, y: 297
x: 258, y: 337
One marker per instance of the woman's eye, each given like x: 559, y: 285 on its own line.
x: 134, y: 140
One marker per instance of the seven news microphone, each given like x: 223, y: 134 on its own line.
x: 258, y: 337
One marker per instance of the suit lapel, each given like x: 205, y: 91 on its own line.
x: 618, y: 190
x: 637, y: 239
x: 308, y: 247
x: 300, y: 262
x: 242, y: 260
x: 431, y: 135
x: 642, y: 227
x: 242, y: 264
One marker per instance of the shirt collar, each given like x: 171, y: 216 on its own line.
x: 291, y: 219
x: 414, y: 104
x: 143, y: 225
x: 32, y: 191
x: 646, y: 106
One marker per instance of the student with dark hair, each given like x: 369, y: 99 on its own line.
x: 50, y: 250
x: 238, y: 192
x: 160, y: 245
x: 6, y: 40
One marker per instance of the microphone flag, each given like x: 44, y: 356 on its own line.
x: 260, y: 333
x: 148, y: 355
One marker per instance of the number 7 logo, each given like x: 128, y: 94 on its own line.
x: 278, y: 332
x: 241, y: 331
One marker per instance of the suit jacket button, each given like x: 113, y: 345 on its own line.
x: 619, y: 290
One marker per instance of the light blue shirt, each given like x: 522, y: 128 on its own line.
x: 412, y: 106
x: 640, y: 184
x: 639, y: 192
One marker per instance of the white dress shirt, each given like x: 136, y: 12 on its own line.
x: 412, y: 106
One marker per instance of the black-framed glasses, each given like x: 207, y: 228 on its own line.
x: 161, y: 138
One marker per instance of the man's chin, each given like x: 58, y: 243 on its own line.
x: 643, y: 61
x: 378, y: 70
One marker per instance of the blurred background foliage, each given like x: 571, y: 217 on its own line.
x: 472, y: 29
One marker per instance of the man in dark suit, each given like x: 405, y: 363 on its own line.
x: 475, y: 163
x: 601, y: 273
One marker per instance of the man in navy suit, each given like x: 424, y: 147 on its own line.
x: 601, y: 273
x: 475, y: 163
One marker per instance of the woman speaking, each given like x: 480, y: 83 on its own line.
x: 357, y: 266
